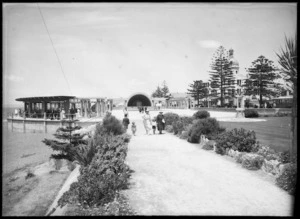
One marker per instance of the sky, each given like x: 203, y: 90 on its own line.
x: 117, y: 49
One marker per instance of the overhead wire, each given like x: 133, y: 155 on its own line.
x: 54, y: 48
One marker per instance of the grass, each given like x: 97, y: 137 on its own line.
x: 274, y: 132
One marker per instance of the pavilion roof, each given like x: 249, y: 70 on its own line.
x: 46, y: 98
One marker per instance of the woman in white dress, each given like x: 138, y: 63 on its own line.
x: 147, y: 122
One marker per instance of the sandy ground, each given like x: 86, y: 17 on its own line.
x: 174, y: 177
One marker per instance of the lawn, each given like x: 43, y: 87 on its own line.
x: 275, y: 132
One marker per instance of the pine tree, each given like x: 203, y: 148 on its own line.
x: 71, y: 146
x: 222, y: 78
x: 158, y: 92
x: 165, y: 89
x: 262, y: 74
x: 198, y: 90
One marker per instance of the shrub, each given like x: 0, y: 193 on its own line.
x: 285, y: 157
x: 110, y: 124
x: 209, y: 145
x: 240, y: 140
x: 210, y: 127
x: 99, y: 181
x: 169, y: 128
x: 252, y: 161
x: 185, y: 132
x: 288, y: 179
x: 170, y: 118
x: 187, y: 120
x: 178, y: 127
x: 251, y: 113
x: 201, y: 114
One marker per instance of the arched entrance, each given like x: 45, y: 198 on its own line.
x: 139, y: 100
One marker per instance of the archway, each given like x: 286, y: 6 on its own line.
x: 138, y: 100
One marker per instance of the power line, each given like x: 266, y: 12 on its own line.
x: 54, y: 49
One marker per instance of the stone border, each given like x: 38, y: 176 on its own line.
x: 54, y: 210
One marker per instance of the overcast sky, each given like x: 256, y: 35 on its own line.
x: 115, y: 50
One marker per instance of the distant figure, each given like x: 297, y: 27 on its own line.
x: 160, y: 121
x: 126, y: 122
x: 125, y: 111
x: 153, y: 126
x: 147, y: 122
x: 72, y: 113
x: 133, y: 128
x: 63, y: 112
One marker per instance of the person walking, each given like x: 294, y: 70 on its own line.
x: 125, y: 111
x: 147, y: 122
x: 160, y: 121
x: 133, y: 128
x: 126, y: 122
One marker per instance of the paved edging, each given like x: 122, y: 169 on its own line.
x: 53, y: 210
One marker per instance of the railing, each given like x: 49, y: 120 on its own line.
x: 44, y: 116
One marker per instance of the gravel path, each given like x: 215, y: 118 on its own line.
x: 174, y: 177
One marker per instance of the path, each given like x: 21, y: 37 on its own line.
x: 174, y: 177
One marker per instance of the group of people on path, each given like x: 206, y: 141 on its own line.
x: 158, y: 123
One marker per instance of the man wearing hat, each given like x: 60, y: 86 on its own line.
x: 160, y: 121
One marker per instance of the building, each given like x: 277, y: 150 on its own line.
x: 239, y: 98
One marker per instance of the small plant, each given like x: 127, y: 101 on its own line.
x: 209, y: 145
x: 236, y: 139
x: 251, y: 113
x: 209, y: 127
x: 201, y: 114
x: 170, y: 118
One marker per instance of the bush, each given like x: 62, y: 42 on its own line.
x: 169, y: 128
x: 99, y: 182
x: 201, y: 114
x: 240, y: 140
x: 178, y: 127
x: 170, y: 118
x: 187, y: 120
x: 251, y: 113
x: 110, y: 124
x: 252, y: 161
x: 288, y: 179
x: 209, y: 127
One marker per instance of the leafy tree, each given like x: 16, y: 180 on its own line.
x: 198, y: 90
x: 262, y: 74
x: 221, y: 75
x: 287, y: 58
x: 165, y: 89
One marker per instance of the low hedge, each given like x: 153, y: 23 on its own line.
x: 251, y: 113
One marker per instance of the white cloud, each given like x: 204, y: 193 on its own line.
x: 209, y: 44
x: 14, y: 78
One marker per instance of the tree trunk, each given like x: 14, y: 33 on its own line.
x: 293, y: 148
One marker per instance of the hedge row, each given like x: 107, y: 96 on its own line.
x: 107, y: 172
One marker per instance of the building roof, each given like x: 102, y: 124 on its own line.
x: 179, y: 95
x: 46, y: 98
